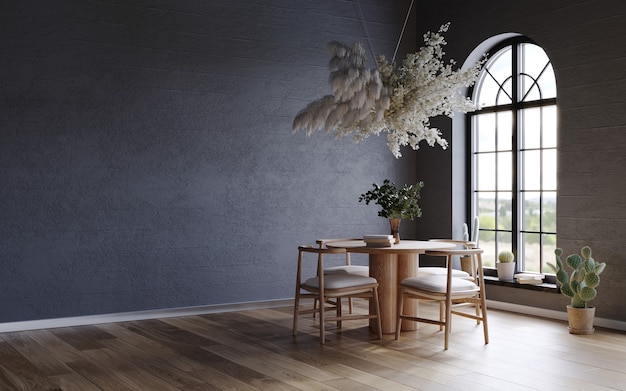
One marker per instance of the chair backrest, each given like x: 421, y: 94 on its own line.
x: 323, y: 242
x: 320, y: 258
x: 323, y: 250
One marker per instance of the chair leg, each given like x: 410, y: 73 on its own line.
x: 484, y: 318
x: 477, y: 309
x: 447, y: 324
x: 377, y: 309
x: 296, y: 313
x: 441, y: 309
x: 339, y: 312
x: 322, y: 320
x: 400, y: 306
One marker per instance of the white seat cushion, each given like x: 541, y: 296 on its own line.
x: 441, y: 271
x: 349, y: 269
x: 339, y: 281
x: 437, y: 284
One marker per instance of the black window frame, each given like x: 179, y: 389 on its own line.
x: 515, y: 107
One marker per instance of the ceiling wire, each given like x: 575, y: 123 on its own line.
x: 367, y: 35
x: 402, y: 32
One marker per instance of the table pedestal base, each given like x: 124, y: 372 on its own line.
x: 393, y: 268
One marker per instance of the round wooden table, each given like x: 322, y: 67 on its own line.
x: 391, y: 265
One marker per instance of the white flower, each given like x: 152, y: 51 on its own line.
x: 369, y: 102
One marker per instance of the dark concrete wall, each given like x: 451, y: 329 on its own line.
x: 146, y: 150
x: 586, y: 41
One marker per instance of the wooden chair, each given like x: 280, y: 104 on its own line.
x: 450, y: 291
x: 323, y: 287
x: 348, y: 267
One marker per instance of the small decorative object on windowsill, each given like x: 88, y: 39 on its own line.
x: 366, y: 102
x: 580, y: 286
x: 530, y: 278
x: 396, y: 203
x: 506, y: 266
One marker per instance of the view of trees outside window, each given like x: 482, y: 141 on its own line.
x: 513, y: 156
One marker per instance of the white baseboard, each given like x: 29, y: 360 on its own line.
x: 140, y: 315
x: 551, y: 314
x: 212, y: 309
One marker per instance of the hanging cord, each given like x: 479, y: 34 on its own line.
x: 402, y: 32
x: 367, y: 34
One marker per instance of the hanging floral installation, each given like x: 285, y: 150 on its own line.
x: 400, y: 102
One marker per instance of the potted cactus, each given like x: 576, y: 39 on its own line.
x: 580, y: 286
x: 505, y: 266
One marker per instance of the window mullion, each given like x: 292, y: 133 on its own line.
x: 517, y: 173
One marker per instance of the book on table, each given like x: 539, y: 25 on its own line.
x: 378, y: 240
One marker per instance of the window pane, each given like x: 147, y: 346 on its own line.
x: 532, y: 252
x: 505, y: 171
x: 547, y: 83
x: 486, y: 210
x: 505, y: 242
x: 500, y: 65
x: 538, y: 81
x: 505, y: 210
x: 532, y: 63
x: 549, y: 245
x: 534, y: 59
x: 532, y: 177
x: 531, y: 211
x: 548, y: 207
x: 505, y: 93
x: 488, y: 245
x: 486, y: 171
x: 488, y: 91
x: 486, y: 132
x: 549, y: 127
x: 530, y: 89
x: 531, y: 128
x: 496, y: 72
x: 505, y: 130
x: 549, y: 169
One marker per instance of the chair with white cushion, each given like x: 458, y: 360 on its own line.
x: 449, y: 290
x: 336, y: 286
x: 348, y: 267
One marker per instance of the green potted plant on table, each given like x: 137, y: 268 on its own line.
x: 506, y: 266
x: 580, y: 286
x: 396, y: 203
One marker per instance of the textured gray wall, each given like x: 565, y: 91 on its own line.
x: 586, y: 41
x: 147, y: 157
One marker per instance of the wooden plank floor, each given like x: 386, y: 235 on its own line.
x: 254, y: 350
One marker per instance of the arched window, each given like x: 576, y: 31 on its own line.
x: 513, y: 155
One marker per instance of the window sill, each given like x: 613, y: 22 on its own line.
x: 545, y: 287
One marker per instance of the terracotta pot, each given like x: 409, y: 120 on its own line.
x: 581, y: 320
